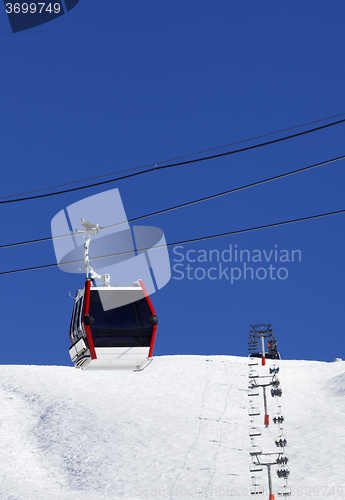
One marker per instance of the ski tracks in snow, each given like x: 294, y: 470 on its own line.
x: 23, y: 465
x: 209, y: 451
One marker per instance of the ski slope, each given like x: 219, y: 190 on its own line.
x: 179, y: 429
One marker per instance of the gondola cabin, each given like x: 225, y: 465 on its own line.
x: 112, y: 327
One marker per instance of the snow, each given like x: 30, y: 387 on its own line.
x: 179, y: 429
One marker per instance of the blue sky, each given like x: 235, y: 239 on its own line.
x: 116, y: 85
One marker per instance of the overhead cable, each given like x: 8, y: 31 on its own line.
x: 156, y: 167
x: 174, y: 159
x: 184, y: 242
x: 183, y: 205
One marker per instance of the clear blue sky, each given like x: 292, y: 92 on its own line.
x: 115, y: 85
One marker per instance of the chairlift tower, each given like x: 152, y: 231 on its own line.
x: 261, y: 332
x: 258, y: 334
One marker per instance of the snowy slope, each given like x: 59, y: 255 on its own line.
x: 179, y: 429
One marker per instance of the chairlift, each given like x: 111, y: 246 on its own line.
x: 263, y: 382
x: 273, y: 355
x: 253, y: 392
x: 282, y: 460
x: 281, y: 442
x: 278, y: 419
x: 285, y: 473
x: 253, y: 374
x: 254, y: 431
x: 112, y: 327
x: 284, y: 491
x: 254, y: 467
x: 262, y: 329
x: 256, y: 489
x: 255, y: 450
x: 253, y: 411
x: 252, y: 362
x: 267, y: 355
x: 268, y: 459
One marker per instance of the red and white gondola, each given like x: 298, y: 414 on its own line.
x: 112, y: 327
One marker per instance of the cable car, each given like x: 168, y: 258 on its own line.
x: 112, y: 327
x: 117, y: 338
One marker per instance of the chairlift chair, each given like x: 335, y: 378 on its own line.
x: 253, y: 392
x: 255, y: 450
x: 252, y: 362
x: 255, y: 467
x: 281, y: 442
x: 254, y: 431
x: 284, y: 491
x: 274, y: 370
x: 112, y: 327
x: 256, y: 489
x: 285, y: 473
x: 253, y: 411
x: 278, y: 419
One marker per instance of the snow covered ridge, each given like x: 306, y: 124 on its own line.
x: 337, y: 384
x: 177, y: 430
